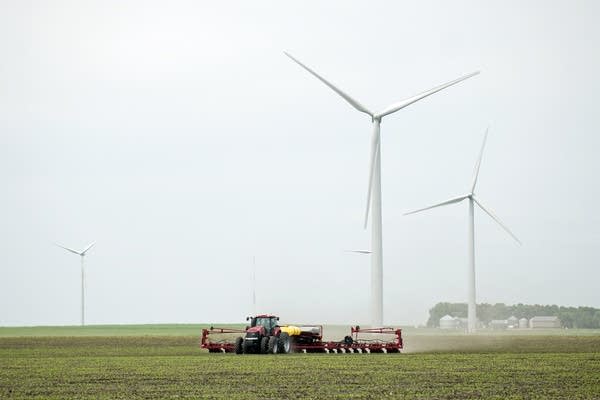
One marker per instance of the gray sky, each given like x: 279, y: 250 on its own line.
x: 179, y: 136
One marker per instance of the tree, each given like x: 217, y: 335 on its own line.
x: 571, y: 317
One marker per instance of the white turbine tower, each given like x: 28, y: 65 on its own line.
x: 374, y: 188
x: 82, y: 255
x: 472, y: 312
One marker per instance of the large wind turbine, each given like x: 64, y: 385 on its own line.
x: 374, y: 188
x: 472, y: 312
x: 82, y: 255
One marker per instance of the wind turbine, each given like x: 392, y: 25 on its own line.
x: 472, y: 311
x: 374, y: 187
x: 82, y: 254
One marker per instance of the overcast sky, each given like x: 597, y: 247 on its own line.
x: 180, y: 138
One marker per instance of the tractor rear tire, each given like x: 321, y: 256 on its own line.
x: 239, y: 345
x: 285, y: 343
x: 273, y: 345
x: 264, y: 345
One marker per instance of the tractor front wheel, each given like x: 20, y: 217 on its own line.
x: 247, y: 347
x: 273, y: 345
x: 239, y: 342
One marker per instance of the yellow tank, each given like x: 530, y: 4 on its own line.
x: 291, y: 330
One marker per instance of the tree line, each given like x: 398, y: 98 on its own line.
x: 570, y: 317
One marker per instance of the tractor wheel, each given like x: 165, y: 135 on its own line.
x: 247, y: 347
x: 264, y: 345
x: 239, y: 345
x: 285, y: 343
x: 273, y: 345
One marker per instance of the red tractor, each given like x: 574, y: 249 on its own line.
x: 266, y: 336
x: 263, y: 336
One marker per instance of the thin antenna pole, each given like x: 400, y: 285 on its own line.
x: 254, y: 285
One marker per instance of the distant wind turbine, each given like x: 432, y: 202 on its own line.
x: 82, y: 255
x: 472, y: 311
x: 374, y: 187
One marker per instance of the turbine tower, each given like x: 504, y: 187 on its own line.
x: 472, y: 311
x: 374, y: 187
x: 82, y: 255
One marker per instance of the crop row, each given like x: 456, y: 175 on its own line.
x: 103, y: 368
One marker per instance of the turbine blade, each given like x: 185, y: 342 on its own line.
x: 374, y: 153
x: 401, y: 104
x: 443, y: 203
x: 89, y: 247
x: 495, y: 218
x: 68, y: 249
x: 344, y: 95
x: 478, y: 164
x: 359, y: 251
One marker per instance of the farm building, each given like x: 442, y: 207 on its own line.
x: 513, y: 322
x: 544, y: 322
x: 499, y: 324
x: 448, y: 322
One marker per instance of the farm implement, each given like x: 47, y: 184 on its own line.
x: 264, y: 335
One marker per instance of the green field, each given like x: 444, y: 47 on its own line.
x: 164, y: 361
x: 109, y: 330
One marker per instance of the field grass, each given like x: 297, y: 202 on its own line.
x: 141, y: 364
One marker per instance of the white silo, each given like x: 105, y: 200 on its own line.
x: 523, y: 323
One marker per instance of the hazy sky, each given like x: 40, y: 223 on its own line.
x: 179, y: 136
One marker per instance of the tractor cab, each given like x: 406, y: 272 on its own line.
x: 268, y: 322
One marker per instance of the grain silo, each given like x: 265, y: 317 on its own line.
x: 513, y: 322
x: 523, y: 323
